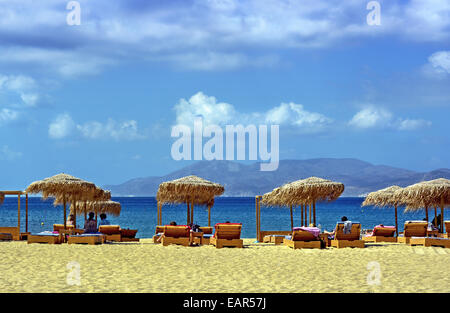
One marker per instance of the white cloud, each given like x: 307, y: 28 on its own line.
x: 371, y: 117
x: 127, y: 130
x: 439, y: 63
x: 409, y: 124
x: 9, y: 155
x: 23, y: 87
x: 222, y: 113
x: 7, y: 115
x: 61, y: 127
x: 295, y: 114
x: 198, y: 34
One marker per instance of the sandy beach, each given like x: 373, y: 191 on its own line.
x: 147, y: 267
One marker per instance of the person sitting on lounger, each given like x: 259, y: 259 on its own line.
x: 90, y: 225
x: 173, y: 223
x: 103, y: 220
x: 437, y: 222
x: 70, y: 220
x: 345, y: 220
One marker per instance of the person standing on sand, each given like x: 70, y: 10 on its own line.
x: 90, y: 225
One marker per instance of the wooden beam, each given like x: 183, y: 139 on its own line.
x: 188, y: 213
x: 18, y: 212
x: 292, y: 219
x: 26, y: 213
x: 65, y: 214
x: 209, y: 215
x: 314, y: 212
x: 396, y: 220
x: 301, y: 224
x: 442, y: 216
x: 426, y: 212
x: 310, y: 209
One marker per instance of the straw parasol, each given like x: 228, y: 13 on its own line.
x: 108, y: 206
x: 425, y: 195
x: 65, y: 186
x: 191, y: 190
x: 383, y: 198
x: 304, y: 192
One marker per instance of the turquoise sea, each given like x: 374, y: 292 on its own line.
x: 140, y: 213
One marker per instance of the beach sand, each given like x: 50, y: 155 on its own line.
x: 147, y: 267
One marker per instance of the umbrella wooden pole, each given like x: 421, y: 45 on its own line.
x: 314, y: 212
x: 442, y: 216
x: 259, y: 219
x: 426, y: 213
x: 435, y: 216
x: 257, y: 223
x: 302, y: 215
x: 396, y: 221
x: 65, y: 214
x: 26, y: 213
x: 75, y: 215
x: 292, y: 219
x: 188, y: 214
x: 192, y: 211
x: 209, y: 216
x: 310, y: 209
x: 18, y: 212
x: 306, y: 214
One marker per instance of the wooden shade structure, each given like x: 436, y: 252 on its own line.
x: 426, y: 194
x: 63, y: 185
x: 384, y: 198
x: 298, y: 193
x: 191, y: 190
x: 17, y: 193
x: 108, y: 206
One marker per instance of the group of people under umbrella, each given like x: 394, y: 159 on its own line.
x: 82, y: 195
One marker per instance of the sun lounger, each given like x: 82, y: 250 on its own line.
x: 111, y: 232
x: 60, y: 227
x: 13, y: 231
x: 128, y: 235
x: 447, y: 229
x: 45, y: 237
x: 303, y: 237
x: 227, y: 235
x: 179, y: 235
x: 90, y: 239
x: 158, y: 233
x: 429, y: 242
x: 381, y: 234
x: 5, y: 237
x: 351, y: 240
x: 413, y: 229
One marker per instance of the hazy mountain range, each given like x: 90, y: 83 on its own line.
x: 239, y: 179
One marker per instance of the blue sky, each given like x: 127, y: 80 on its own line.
x: 98, y: 100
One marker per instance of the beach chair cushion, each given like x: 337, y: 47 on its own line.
x: 303, y: 235
x: 383, y: 231
x: 415, y: 228
x: 179, y: 231
x: 109, y: 229
x: 206, y: 230
x: 354, y: 234
x: 128, y: 233
x: 228, y: 231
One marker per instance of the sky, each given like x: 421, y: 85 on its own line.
x: 98, y: 100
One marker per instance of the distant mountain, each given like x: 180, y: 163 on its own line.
x: 359, y: 177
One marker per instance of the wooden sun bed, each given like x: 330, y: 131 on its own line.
x: 227, y: 235
x: 275, y: 239
x: 302, y: 239
x: 45, y: 238
x: 351, y: 240
x: 179, y: 235
x: 429, y: 242
x: 111, y: 232
x: 90, y: 239
x: 447, y: 229
x: 13, y: 231
x: 206, y: 238
x: 381, y: 234
x: 413, y: 229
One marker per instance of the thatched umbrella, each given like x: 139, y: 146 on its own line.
x: 425, y: 195
x: 191, y: 190
x: 383, y: 198
x: 65, y: 186
x: 108, y: 206
x: 304, y: 192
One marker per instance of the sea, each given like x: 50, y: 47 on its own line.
x: 140, y: 213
